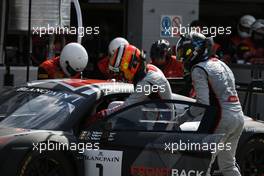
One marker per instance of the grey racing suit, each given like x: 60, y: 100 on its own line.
x: 214, y: 84
x: 153, y: 85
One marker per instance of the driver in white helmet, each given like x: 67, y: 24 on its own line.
x: 244, y: 25
x: 71, y: 62
x: 240, y: 46
x: 104, y: 62
x: 257, y: 36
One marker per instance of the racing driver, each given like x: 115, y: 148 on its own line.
x: 129, y: 65
x: 214, y: 85
x: 71, y: 62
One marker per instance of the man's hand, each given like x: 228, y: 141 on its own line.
x: 175, y: 125
x: 184, y: 117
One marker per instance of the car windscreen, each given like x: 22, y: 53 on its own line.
x: 34, y: 108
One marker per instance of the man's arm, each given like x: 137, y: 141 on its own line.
x: 200, y: 84
x: 138, y: 95
x: 142, y: 90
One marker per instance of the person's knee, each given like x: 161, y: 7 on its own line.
x: 226, y: 163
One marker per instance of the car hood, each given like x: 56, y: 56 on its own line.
x: 18, y: 135
x: 8, y: 135
x: 182, y: 98
x: 12, y: 131
x: 249, y: 126
x: 20, y: 131
x: 253, y: 125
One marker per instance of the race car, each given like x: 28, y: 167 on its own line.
x: 42, y: 132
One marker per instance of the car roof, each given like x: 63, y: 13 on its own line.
x: 88, y: 87
x: 84, y: 86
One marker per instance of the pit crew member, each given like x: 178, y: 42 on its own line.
x: 104, y: 62
x: 257, y: 36
x: 240, y: 46
x: 71, y: 62
x: 161, y: 56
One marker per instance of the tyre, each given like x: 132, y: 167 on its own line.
x: 46, y: 164
x: 251, y: 158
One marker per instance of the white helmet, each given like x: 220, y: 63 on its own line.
x: 73, y: 59
x: 258, y: 26
x: 257, y: 29
x: 116, y: 43
x: 244, y: 25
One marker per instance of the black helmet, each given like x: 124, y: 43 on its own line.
x: 193, y: 48
x: 160, y: 50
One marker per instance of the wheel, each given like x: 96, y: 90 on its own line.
x: 46, y: 164
x: 251, y: 158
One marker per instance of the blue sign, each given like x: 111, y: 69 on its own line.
x: 166, y: 25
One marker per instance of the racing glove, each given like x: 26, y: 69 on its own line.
x: 184, y: 117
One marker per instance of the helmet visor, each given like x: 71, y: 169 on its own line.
x: 185, y: 54
x: 244, y: 29
x: 179, y: 55
x: 70, y: 70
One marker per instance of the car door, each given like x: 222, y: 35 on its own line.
x: 143, y: 139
